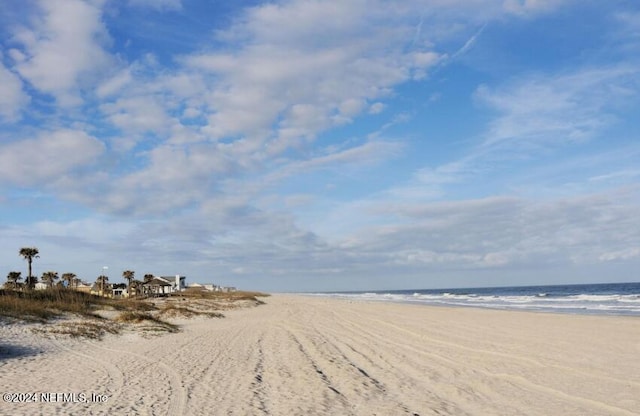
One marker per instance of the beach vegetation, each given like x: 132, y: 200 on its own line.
x: 103, y: 284
x: 174, y: 311
x: 41, y: 305
x: 129, y: 276
x: 228, y: 296
x: 13, y: 281
x: 49, y: 278
x: 92, y: 328
x: 69, y: 279
x: 65, y: 308
x: 153, y: 322
x: 132, y: 305
x: 136, y: 287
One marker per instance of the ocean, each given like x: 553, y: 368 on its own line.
x: 599, y: 299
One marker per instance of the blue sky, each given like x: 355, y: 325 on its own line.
x: 323, y: 145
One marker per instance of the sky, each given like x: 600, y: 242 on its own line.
x: 322, y: 145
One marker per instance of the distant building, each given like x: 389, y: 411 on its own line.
x: 210, y: 287
x: 196, y: 286
x: 119, y: 290
x: 179, y: 282
x: 164, y: 285
x: 82, y: 287
x: 97, y: 290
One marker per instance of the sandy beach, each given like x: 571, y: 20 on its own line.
x: 299, y: 355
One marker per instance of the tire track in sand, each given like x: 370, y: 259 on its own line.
x: 178, y: 400
x: 512, y: 379
x: 257, y: 387
x: 325, y: 379
x: 348, y: 357
x: 115, y: 375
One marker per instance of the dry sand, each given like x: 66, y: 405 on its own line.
x: 313, y: 356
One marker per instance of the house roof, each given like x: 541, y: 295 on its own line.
x: 158, y: 281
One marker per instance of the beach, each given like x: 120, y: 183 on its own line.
x: 302, y: 355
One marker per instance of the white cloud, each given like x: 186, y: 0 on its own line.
x: 17, y: 55
x: 625, y: 254
x: 89, y: 231
x: 115, y: 84
x: 285, y: 64
x: 278, y: 84
x: 63, y: 48
x: 47, y: 158
x: 376, y: 108
x: 138, y: 114
x: 532, y: 7
x: 627, y: 34
x: 559, y: 109
x: 13, y: 99
x: 617, y: 174
x: 336, y: 159
x: 499, y: 232
x: 160, y: 5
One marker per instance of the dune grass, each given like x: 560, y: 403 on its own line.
x: 172, y: 310
x: 92, y: 329
x: 136, y: 317
x: 226, y: 296
x: 131, y: 305
x: 64, y: 306
x: 42, y: 305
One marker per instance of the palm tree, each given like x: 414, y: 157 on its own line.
x: 75, y: 282
x: 68, y: 278
x: 136, y: 285
x: 13, y: 279
x: 49, y: 278
x: 147, y: 278
x: 30, y: 253
x: 102, y: 282
x: 128, y: 275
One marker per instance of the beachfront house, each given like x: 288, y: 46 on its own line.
x: 179, y: 282
x: 164, y: 285
x: 81, y: 286
x: 96, y: 289
x: 210, y: 287
x: 199, y: 286
x: 119, y: 290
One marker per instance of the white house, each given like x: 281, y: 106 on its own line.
x: 178, y: 282
x: 211, y: 287
x: 164, y: 285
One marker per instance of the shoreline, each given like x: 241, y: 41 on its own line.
x: 617, y: 299
x: 302, y: 355
x: 473, y: 307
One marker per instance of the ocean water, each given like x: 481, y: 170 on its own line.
x: 600, y: 299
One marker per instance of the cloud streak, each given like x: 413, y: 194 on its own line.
x: 562, y: 109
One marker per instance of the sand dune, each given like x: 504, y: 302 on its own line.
x: 309, y: 356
